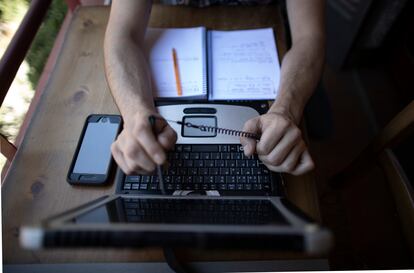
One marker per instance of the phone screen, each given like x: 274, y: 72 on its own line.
x: 95, y: 152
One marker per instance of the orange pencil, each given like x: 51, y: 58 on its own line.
x: 177, y: 73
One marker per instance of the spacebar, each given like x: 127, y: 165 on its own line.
x: 205, y: 148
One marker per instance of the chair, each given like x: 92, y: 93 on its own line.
x: 379, y: 152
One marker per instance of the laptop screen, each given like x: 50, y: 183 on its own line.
x: 184, y: 211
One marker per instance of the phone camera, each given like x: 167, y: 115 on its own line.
x: 104, y: 120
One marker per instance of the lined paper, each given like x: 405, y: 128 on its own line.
x: 189, y: 44
x: 245, y: 65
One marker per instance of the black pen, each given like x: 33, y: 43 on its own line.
x: 159, y: 171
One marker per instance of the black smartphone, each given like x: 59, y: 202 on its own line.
x: 92, y: 161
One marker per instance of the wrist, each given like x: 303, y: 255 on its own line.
x: 139, y: 112
x: 289, y: 107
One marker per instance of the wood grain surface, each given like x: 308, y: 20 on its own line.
x: 36, y: 188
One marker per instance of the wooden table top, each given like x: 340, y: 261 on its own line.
x: 35, y: 187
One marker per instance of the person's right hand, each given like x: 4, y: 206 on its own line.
x: 137, y: 150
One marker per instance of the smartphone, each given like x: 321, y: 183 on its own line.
x: 92, y: 161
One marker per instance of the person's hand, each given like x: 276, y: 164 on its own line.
x: 137, y: 150
x: 281, y: 147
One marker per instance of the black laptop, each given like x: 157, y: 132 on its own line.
x: 216, y: 197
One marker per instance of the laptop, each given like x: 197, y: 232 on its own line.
x: 215, y: 197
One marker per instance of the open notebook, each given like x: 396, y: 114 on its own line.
x: 214, y: 65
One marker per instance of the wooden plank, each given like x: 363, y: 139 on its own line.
x: 35, y: 187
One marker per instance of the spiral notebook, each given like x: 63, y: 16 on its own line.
x: 213, y: 65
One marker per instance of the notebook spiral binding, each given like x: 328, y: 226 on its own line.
x: 224, y: 131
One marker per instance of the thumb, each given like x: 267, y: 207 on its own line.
x: 249, y: 144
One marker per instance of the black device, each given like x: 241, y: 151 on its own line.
x: 215, y: 197
x: 92, y: 161
x: 138, y: 221
x: 208, y: 157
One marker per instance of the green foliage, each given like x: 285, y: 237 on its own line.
x: 12, y: 9
x: 45, y: 37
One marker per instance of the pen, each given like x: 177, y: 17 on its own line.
x: 177, y: 73
x: 159, y: 171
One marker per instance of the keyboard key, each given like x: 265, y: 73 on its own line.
x: 198, y: 163
x: 230, y: 163
x: 252, y: 179
x: 172, y: 171
x: 234, y: 148
x: 205, y: 148
x: 251, y: 163
x: 239, y: 187
x: 133, y: 178
x: 257, y: 187
x: 203, y: 171
x: 209, y: 163
x: 235, y: 171
x: 246, y: 171
x: 185, y: 156
x: 205, y: 156
x: 236, y: 156
x: 145, y: 179
x: 187, y: 148
x: 224, y: 148
x: 219, y: 163
x: 231, y: 187
x: 195, y: 156
x: 215, y: 156
x: 231, y: 179
x: 127, y: 186
x: 241, y: 179
x: 220, y: 179
x: 241, y: 163
x: 224, y: 171
x: 226, y: 156
x: 135, y: 186
x: 198, y: 179
x: 263, y: 179
x: 178, y: 148
x: 188, y: 179
x: 143, y: 187
x: 213, y: 171
x: 193, y: 171
x: 222, y: 187
x: 209, y: 179
x: 188, y: 163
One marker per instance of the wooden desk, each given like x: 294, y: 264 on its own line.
x: 35, y: 187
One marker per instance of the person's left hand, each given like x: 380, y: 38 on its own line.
x: 281, y: 146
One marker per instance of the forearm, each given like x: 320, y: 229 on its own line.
x: 300, y: 73
x: 128, y: 76
x: 126, y: 69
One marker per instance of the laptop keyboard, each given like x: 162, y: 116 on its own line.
x: 222, y: 167
x: 201, y: 211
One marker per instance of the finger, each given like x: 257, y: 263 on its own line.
x: 249, y: 144
x: 279, y: 153
x: 292, y: 160
x: 271, y: 136
x: 167, y: 138
x: 119, y: 159
x: 305, y: 164
x: 148, y: 142
x: 135, y: 156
